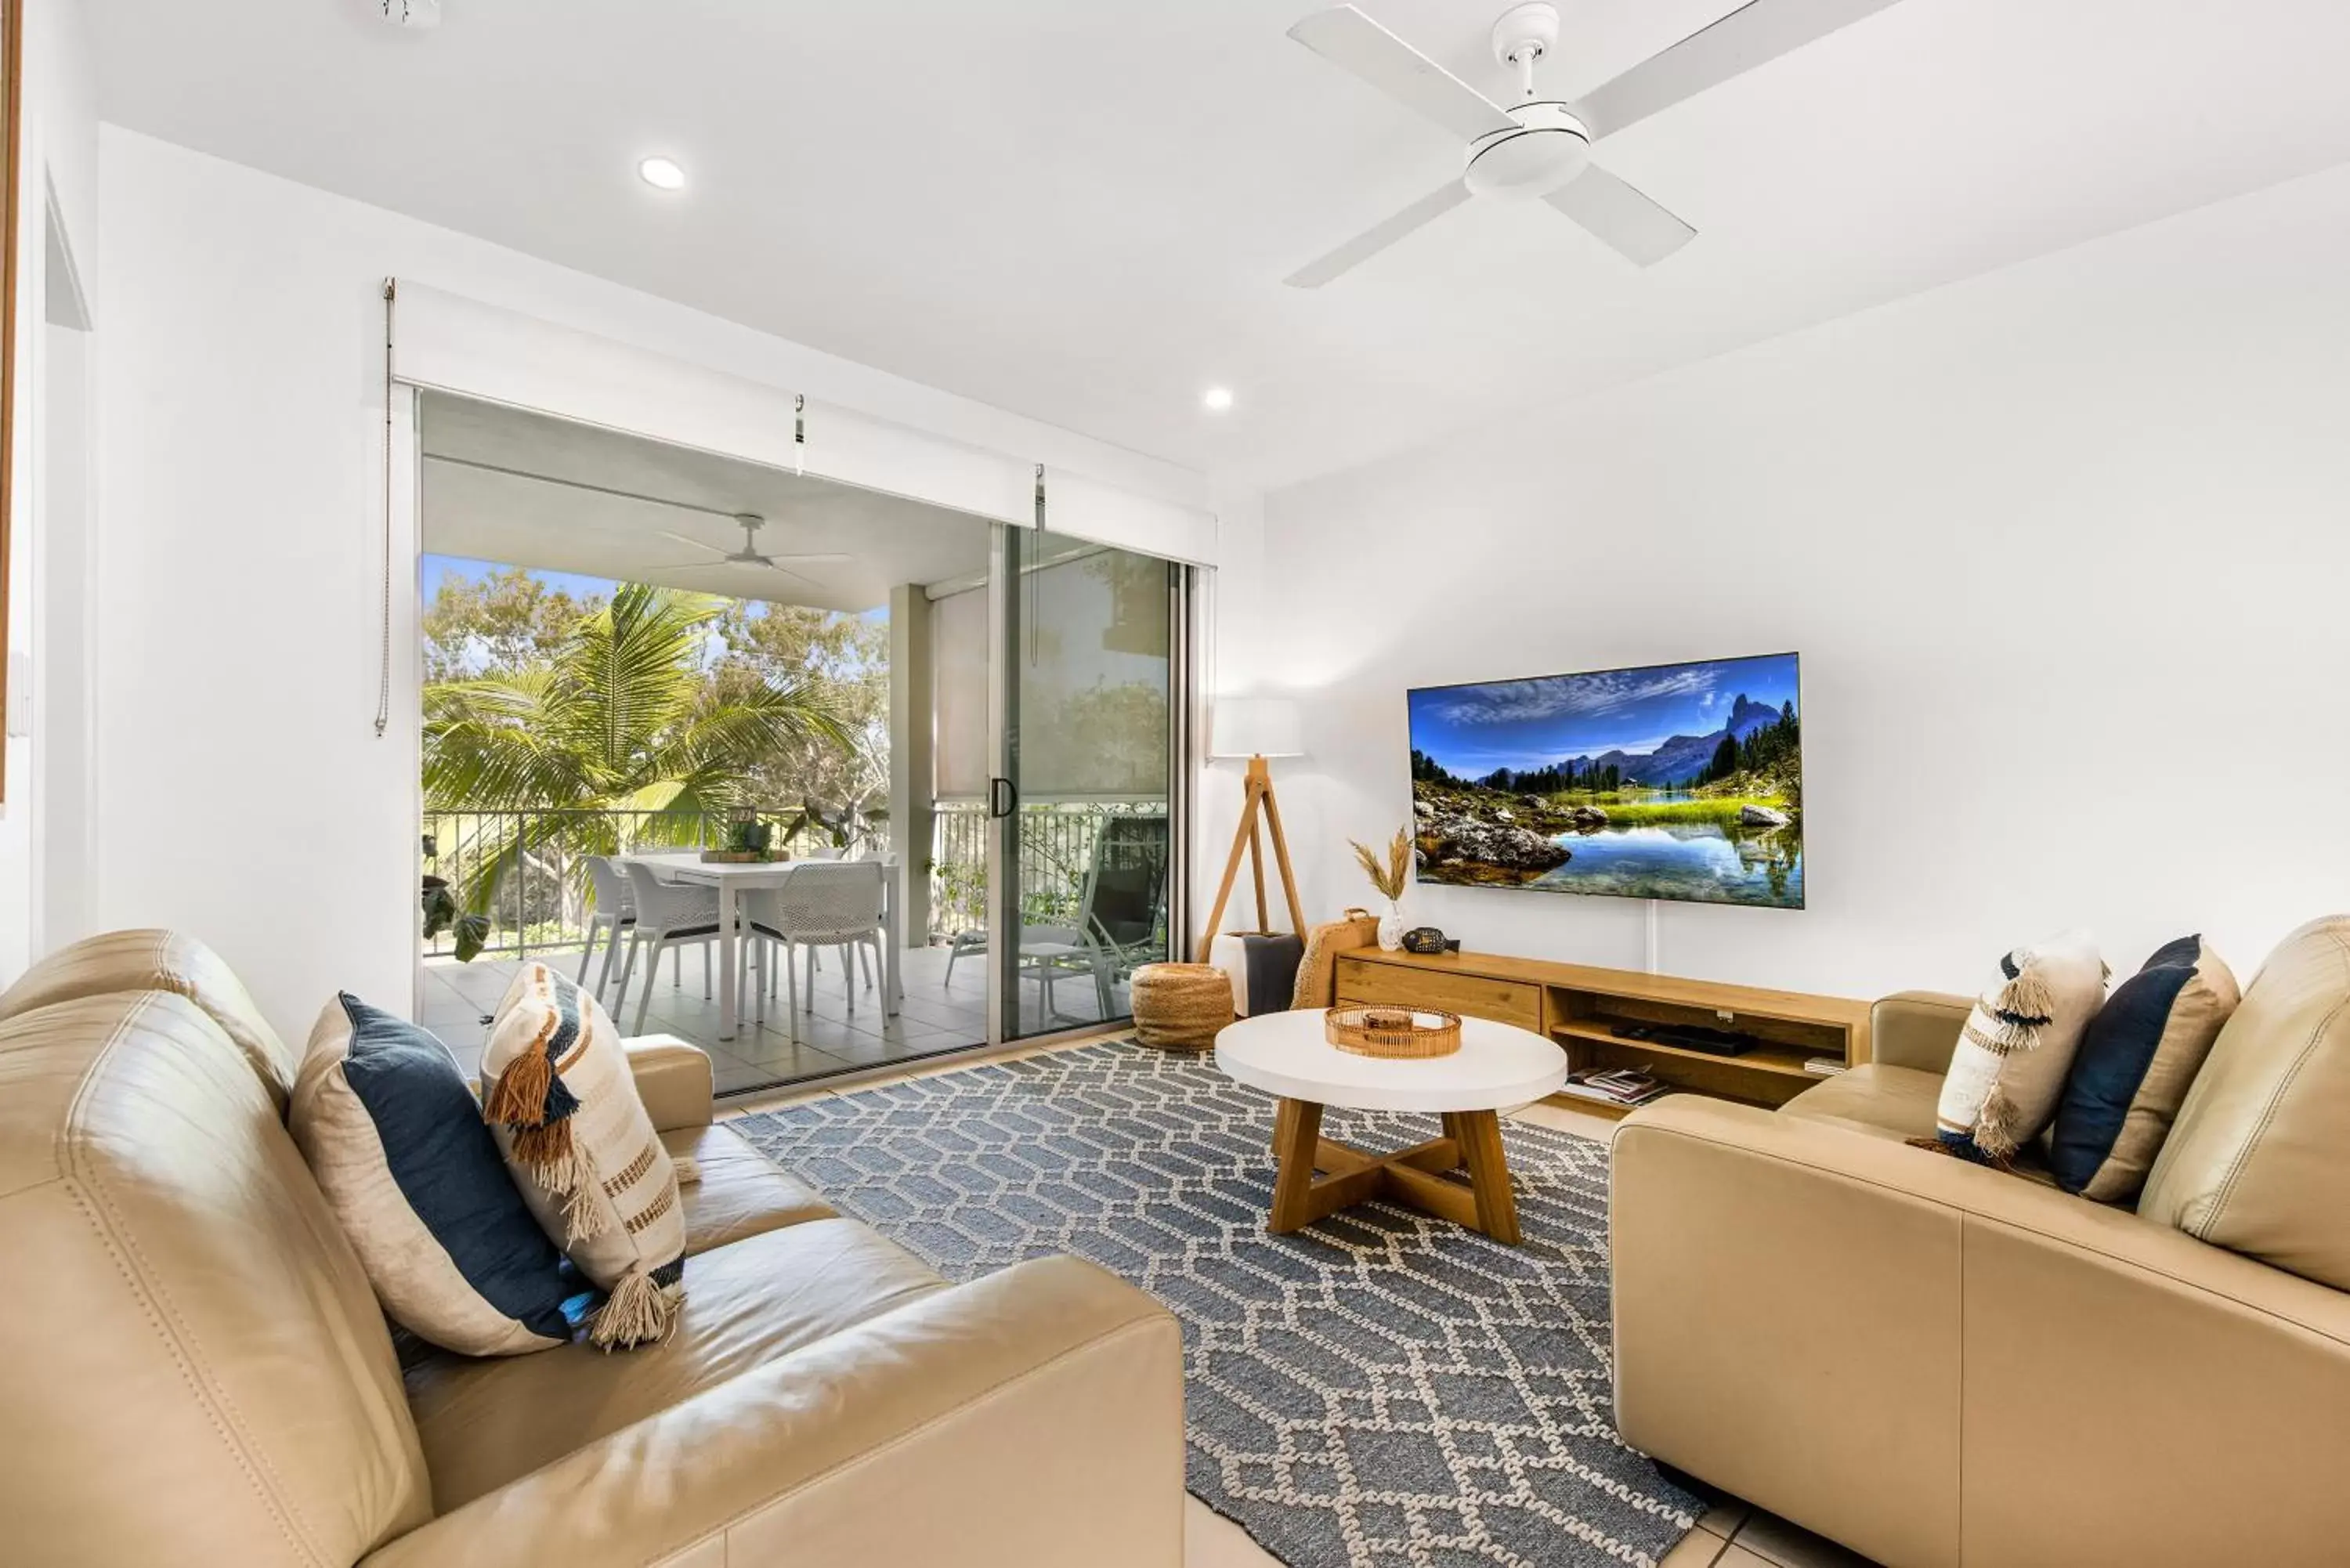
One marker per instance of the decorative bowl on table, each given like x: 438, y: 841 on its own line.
x: 1400, y: 1033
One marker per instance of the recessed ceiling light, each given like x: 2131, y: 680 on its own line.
x: 1216, y: 400
x: 663, y: 173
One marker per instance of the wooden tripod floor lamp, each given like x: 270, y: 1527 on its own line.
x: 1256, y: 728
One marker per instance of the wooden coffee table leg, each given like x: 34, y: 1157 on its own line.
x: 1489, y: 1174
x: 1452, y: 1130
x: 1284, y: 1125
x: 1297, y: 1136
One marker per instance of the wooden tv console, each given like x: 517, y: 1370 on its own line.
x: 1577, y: 1006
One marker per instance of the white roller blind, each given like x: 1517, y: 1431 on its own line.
x: 459, y: 345
x: 454, y: 344
x: 961, y: 761
x: 1109, y: 515
x: 1092, y: 668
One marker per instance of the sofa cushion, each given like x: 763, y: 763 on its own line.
x: 484, y: 1423
x: 192, y: 1365
x: 2008, y: 1069
x: 396, y: 1141
x: 2136, y: 1059
x: 738, y: 1191
x: 559, y: 1094
x: 1877, y: 1099
x: 161, y: 961
x: 2257, y: 1160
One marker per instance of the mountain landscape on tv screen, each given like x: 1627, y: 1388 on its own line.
x: 1678, y: 781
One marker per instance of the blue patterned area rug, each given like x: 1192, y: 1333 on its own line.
x: 1380, y: 1389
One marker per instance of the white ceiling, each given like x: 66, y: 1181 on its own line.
x: 519, y: 491
x: 1080, y: 209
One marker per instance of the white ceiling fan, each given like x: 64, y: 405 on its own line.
x: 749, y: 555
x: 750, y: 523
x: 1542, y: 147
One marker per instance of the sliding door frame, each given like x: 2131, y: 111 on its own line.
x: 1008, y: 619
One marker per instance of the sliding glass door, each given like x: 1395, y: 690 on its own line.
x: 1089, y: 702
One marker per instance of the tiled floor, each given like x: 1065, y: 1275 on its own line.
x: 832, y: 1036
x: 1731, y: 1534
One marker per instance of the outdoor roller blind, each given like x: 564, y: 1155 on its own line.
x: 1092, y: 670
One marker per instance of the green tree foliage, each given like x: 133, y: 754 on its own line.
x: 497, y: 624
x: 623, y: 715
x: 1773, y: 749
x: 846, y: 655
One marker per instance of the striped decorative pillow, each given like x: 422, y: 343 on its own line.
x: 391, y: 1133
x: 2008, y: 1072
x: 557, y: 1093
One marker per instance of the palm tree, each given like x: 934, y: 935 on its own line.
x: 621, y: 720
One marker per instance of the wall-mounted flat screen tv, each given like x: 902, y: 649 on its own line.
x: 1671, y: 781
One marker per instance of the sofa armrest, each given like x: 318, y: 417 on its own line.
x: 1917, y: 1029
x: 1032, y: 1418
x: 673, y: 1079
x: 1897, y: 1349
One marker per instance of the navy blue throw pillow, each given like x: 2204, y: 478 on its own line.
x: 2136, y: 1059
x: 396, y: 1140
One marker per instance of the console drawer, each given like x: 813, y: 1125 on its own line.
x: 1471, y: 996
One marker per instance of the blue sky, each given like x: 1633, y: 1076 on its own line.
x: 441, y: 568
x: 438, y: 568
x: 1473, y: 730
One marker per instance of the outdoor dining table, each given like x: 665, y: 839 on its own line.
x: 685, y: 866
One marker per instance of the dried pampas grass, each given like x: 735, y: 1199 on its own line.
x: 1388, y: 877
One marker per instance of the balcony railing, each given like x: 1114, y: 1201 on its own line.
x: 1056, y: 845
x: 544, y: 901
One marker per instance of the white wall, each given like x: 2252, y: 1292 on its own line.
x: 48, y: 610
x: 2065, y: 550
x: 247, y: 797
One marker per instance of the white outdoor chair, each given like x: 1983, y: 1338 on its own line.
x: 670, y: 915
x: 823, y: 904
x: 616, y: 911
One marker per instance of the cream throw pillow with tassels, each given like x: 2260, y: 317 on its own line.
x: 2008, y: 1072
x: 558, y: 1095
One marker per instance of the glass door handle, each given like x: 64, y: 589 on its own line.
x: 1002, y: 797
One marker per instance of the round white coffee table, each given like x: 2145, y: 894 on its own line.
x: 1498, y: 1066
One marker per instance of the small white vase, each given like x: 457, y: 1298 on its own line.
x: 1391, y: 931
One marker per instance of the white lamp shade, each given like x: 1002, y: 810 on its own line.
x: 1256, y: 727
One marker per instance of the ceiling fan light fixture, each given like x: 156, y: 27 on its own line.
x: 1543, y: 152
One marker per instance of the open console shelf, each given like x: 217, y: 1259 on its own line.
x: 1585, y: 1009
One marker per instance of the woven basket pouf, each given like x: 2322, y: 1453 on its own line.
x: 1180, y: 1006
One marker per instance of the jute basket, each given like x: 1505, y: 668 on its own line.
x: 1393, y: 1032
x: 1180, y: 1006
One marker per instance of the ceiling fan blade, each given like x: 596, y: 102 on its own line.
x: 830, y: 557
x: 1757, y: 32
x: 1371, y: 242
x: 1621, y: 217
x: 1352, y: 41
x: 696, y: 543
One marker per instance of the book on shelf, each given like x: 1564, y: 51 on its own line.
x: 1823, y: 1066
x: 1620, y: 1086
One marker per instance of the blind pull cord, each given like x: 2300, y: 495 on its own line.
x: 384, y: 683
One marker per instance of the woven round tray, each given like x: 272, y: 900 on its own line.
x: 1397, y: 1031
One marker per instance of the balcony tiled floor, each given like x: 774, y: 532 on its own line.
x: 832, y: 1037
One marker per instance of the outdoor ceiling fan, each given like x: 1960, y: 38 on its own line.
x: 749, y: 555
x: 750, y: 523
x: 1542, y: 147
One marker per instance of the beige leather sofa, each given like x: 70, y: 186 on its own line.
x: 193, y: 1369
x: 1938, y: 1363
